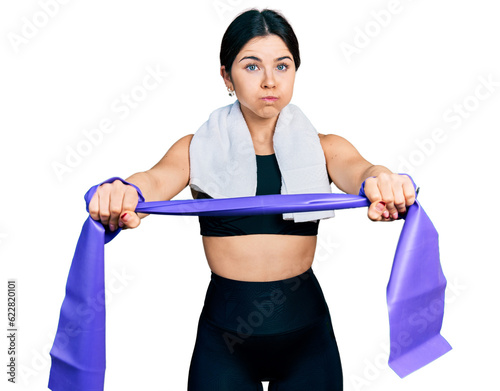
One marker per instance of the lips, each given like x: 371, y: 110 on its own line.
x: 269, y: 98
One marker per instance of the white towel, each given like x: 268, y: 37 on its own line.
x: 223, y: 162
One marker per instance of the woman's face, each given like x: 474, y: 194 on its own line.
x: 262, y: 76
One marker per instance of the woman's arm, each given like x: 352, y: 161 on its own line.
x: 114, y: 203
x: 169, y: 176
x: 390, y: 194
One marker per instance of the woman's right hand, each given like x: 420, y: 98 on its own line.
x: 113, y: 204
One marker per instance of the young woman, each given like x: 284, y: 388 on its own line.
x: 265, y: 317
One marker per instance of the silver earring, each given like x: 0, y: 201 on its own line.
x: 231, y: 92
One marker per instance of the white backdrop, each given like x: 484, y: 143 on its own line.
x: 414, y: 85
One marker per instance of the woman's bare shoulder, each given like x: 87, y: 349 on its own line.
x: 179, y: 149
x: 329, y: 136
x: 328, y: 140
x: 335, y: 146
x: 184, y: 141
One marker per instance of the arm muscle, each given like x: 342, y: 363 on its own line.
x: 169, y: 176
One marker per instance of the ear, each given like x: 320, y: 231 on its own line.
x: 226, y: 77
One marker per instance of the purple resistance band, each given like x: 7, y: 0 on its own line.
x: 415, y: 292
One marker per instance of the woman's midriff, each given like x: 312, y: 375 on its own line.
x: 262, y: 257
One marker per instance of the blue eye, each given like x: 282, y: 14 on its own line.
x: 280, y: 67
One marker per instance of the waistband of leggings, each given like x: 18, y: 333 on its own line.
x: 259, y: 285
x: 267, y: 307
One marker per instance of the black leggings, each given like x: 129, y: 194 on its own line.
x: 276, y: 331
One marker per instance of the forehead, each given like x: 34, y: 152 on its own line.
x: 270, y: 46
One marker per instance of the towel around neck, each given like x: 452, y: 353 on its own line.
x: 223, y: 162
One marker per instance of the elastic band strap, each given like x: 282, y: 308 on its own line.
x: 416, y: 285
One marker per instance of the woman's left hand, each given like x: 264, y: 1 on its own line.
x: 390, y: 195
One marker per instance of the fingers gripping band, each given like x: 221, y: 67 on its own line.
x: 362, y: 189
x: 90, y: 193
x: 416, y: 284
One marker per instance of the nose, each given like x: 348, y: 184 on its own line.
x: 269, y: 80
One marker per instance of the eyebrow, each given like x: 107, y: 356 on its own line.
x: 258, y: 59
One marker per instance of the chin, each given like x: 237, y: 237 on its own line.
x: 269, y: 112
x: 266, y: 111
x: 272, y: 108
